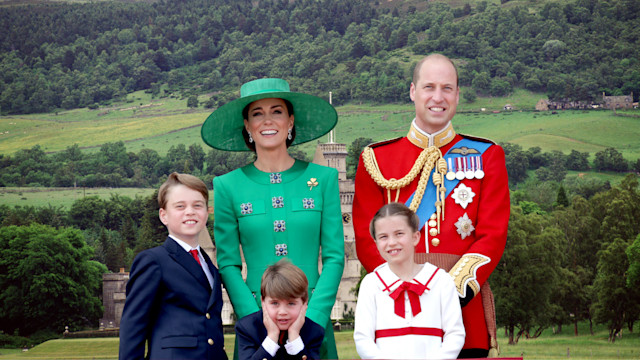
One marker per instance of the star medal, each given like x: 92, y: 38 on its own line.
x: 463, y: 195
x: 459, y: 172
x: 450, y: 174
x: 464, y: 226
x: 479, y: 172
x: 468, y: 173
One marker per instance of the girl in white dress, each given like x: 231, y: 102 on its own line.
x: 406, y: 310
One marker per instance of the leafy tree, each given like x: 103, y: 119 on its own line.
x: 197, y: 156
x: 578, y: 161
x: 192, y: 101
x: 47, y: 279
x: 633, y: 255
x: 469, y: 95
x: 562, y: 199
x: 522, y: 302
x: 580, y: 230
x: 585, y: 187
x: 152, y: 231
x: 88, y: 212
x: 613, y: 297
x: 353, y: 155
x: 610, y: 159
x: 516, y: 161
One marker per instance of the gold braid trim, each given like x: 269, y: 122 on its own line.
x: 428, y: 158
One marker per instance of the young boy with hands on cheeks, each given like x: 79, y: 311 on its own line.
x: 406, y: 310
x: 280, y: 329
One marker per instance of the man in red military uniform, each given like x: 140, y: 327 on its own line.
x: 457, y: 184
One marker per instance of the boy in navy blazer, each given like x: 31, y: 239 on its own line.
x: 280, y: 330
x: 174, y: 295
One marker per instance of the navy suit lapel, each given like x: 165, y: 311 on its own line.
x: 186, y: 261
x: 215, y: 291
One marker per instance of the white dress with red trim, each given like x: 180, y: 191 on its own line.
x: 420, y: 319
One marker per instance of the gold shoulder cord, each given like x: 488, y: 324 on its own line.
x: 428, y: 158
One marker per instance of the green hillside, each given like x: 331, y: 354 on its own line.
x: 157, y: 124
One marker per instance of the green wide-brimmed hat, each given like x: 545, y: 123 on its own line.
x: 313, y: 116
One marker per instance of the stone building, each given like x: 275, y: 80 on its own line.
x: 617, y: 102
x: 113, y: 296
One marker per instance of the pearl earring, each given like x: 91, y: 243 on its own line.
x: 289, y: 136
x: 250, y: 138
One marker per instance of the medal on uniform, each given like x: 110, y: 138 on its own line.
x: 464, y: 226
x: 459, y: 172
x: 479, y: 172
x: 468, y: 173
x: 450, y: 174
x: 463, y: 195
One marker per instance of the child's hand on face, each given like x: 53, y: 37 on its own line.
x: 273, y: 332
x: 294, y: 329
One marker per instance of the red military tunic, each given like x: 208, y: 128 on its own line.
x: 487, y: 211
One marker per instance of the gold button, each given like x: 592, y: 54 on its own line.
x: 207, y: 315
x: 435, y: 241
x: 210, y: 341
x: 433, y: 231
x: 433, y: 223
x: 433, y: 216
x: 304, y: 357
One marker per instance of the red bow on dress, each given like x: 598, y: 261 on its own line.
x: 414, y: 291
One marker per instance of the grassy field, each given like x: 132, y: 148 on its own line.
x: 143, y: 122
x: 549, y: 346
x: 62, y: 196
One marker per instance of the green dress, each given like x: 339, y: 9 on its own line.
x: 294, y: 214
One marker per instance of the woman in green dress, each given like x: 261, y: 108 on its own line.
x: 277, y: 206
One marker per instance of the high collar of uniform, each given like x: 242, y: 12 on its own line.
x: 423, y: 140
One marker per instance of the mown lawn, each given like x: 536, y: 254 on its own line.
x: 548, y: 346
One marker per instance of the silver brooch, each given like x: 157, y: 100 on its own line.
x: 275, y: 178
x: 246, y: 208
x: 279, y: 226
x: 308, y: 203
x: 281, y: 249
x: 277, y: 202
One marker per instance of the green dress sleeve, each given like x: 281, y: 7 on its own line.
x: 332, y: 245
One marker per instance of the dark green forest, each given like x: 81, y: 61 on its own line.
x: 63, y: 56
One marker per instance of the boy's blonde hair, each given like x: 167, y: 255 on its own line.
x: 395, y: 209
x: 187, y: 180
x: 283, y: 280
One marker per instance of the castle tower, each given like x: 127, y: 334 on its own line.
x: 335, y: 155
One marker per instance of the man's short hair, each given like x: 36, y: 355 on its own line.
x: 283, y: 280
x: 187, y: 180
x: 416, y: 70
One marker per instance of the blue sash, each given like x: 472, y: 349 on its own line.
x: 427, y: 205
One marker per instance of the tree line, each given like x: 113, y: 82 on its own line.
x: 63, y: 56
x: 572, y: 241
x: 113, y: 166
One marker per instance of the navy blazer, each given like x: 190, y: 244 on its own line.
x: 171, y: 305
x: 250, y: 332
